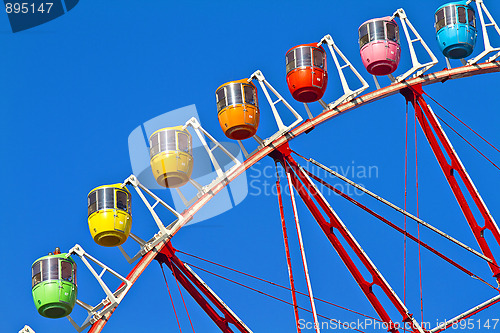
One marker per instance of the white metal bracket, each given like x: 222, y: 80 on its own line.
x: 259, y: 141
x: 348, y: 93
x: 142, y: 243
x: 466, y: 314
x: 26, y: 329
x: 112, y: 299
x: 201, y: 133
x: 309, y: 114
x: 164, y: 232
x: 448, y: 64
x: 487, y: 45
x: 417, y: 67
x: 257, y: 75
x: 187, y: 202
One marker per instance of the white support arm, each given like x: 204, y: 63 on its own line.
x: 348, y: 93
x: 416, y: 65
x: 257, y: 75
x: 466, y: 314
x: 259, y: 141
x: 164, y: 232
x: 487, y: 45
x: 143, y: 244
x: 132, y: 180
x: 26, y: 329
x: 198, y: 187
x: 201, y: 133
x: 111, y: 300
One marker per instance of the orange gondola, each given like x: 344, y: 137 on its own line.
x: 238, y: 109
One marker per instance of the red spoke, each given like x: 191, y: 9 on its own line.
x: 276, y: 285
x: 406, y: 208
x: 468, y: 142
x: 183, y: 302
x: 392, y: 225
x: 171, y: 300
x: 287, y: 251
x: 302, y: 251
x: 462, y: 122
x: 418, y: 225
x: 268, y: 295
x: 454, y: 171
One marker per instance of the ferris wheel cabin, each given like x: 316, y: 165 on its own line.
x: 456, y: 32
x: 306, y: 73
x: 54, y: 286
x: 238, y: 109
x: 109, y: 214
x: 171, y: 152
x: 379, y: 45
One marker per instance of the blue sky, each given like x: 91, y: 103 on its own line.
x: 76, y: 87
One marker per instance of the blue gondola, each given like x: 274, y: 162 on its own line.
x: 456, y: 32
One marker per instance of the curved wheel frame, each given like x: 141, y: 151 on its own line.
x: 306, y: 126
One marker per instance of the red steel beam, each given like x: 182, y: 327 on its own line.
x: 305, y: 127
x: 287, y: 252
x: 282, y: 155
x: 435, y: 136
x: 398, y: 229
x: 197, y: 289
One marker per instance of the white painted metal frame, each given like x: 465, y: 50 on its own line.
x: 303, y: 253
x: 26, y: 329
x: 417, y: 67
x: 260, y: 142
x: 466, y: 314
x: 257, y: 75
x: 187, y: 202
x: 201, y: 133
x: 348, y: 93
x: 164, y: 233
x: 487, y: 45
x: 448, y: 64
x: 112, y: 299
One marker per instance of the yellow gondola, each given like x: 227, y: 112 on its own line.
x: 171, y: 154
x: 238, y: 109
x: 109, y: 214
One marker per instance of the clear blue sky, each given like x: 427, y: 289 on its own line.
x: 74, y: 89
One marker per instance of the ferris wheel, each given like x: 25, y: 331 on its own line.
x: 54, y: 282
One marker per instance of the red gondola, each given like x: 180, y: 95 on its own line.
x: 306, y: 73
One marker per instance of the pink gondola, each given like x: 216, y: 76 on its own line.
x: 379, y: 45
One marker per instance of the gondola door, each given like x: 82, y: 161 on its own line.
x: 318, y: 76
x: 66, y: 285
x: 183, y: 145
x: 250, y: 99
x: 462, y: 27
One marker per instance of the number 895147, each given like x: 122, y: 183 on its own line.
x: 27, y: 7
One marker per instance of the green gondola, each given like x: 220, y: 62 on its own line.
x: 54, y: 284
